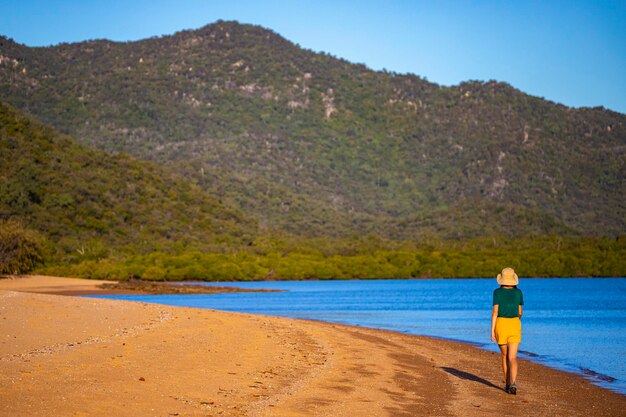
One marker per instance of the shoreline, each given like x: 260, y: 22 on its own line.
x: 599, y: 378
x: 596, y: 378
x: 72, y: 355
x: 140, y: 287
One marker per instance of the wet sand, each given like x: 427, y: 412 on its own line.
x: 72, y: 356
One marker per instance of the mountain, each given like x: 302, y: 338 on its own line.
x: 318, y: 146
x: 92, y: 204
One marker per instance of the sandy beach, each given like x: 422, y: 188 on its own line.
x: 73, y: 356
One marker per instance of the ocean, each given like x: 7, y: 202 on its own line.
x: 573, y: 324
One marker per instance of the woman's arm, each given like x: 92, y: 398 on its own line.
x: 494, y: 316
x: 519, y: 312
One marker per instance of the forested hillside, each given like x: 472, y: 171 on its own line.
x: 92, y: 205
x: 82, y: 212
x: 318, y: 146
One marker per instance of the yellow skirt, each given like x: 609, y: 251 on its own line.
x: 508, y: 330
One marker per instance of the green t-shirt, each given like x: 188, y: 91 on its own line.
x: 508, y: 301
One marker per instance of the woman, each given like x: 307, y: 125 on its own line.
x: 506, y: 327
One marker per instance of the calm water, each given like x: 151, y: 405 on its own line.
x: 578, y: 325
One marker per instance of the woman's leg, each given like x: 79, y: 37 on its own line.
x: 504, y: 351
x: 512, y: 359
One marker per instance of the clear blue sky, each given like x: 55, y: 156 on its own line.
x: 569, y: 51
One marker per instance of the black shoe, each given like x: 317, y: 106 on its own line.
x: 506, y: 388
x: 513, y: 389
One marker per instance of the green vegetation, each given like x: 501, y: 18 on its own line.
x: 319, y: 147
x: 21, y: 249
x: 92, y: 205
x: 551, y: 258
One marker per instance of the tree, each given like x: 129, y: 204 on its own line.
x: 21, y: 249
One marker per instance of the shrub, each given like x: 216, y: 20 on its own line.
x: 154, y: 273
x: 21, y: 249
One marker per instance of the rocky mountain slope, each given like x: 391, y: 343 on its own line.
x: 319, y: 146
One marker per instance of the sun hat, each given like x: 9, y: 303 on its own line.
x: 508, y: 277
